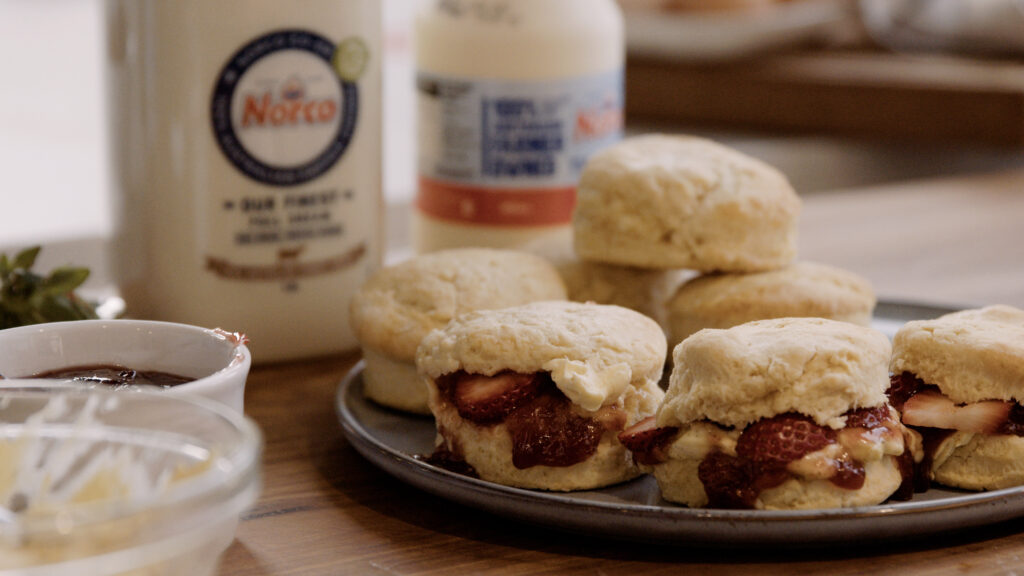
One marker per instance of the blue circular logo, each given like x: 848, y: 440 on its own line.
x: 281, y: 114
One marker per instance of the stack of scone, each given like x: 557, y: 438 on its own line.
x: 400, y: 304
x: 654, y: 205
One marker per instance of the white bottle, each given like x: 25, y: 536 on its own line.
x: 247, y: 136
x: 513, y: 97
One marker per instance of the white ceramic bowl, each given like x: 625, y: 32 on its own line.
x: 97, y: 482
x: 219, y: 361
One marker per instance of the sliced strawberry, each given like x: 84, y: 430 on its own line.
x: 934, y: 410
x: 782, y: 439
x: 647, y: 441
x: 489, y: 399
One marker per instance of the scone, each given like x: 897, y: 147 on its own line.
x: 803, y: 289
x: 786, y: 413
x: 644, y: 290
x: 959, y: 381
x: 660, y: 201
x: 535, y: 396
x: 400, y: 304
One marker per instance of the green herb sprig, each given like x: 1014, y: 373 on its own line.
x: 28, y: 298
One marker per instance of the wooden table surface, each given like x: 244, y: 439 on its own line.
x: 325, y: 510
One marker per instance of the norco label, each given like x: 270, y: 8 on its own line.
x: 285, y: 107
x: 510, y: 152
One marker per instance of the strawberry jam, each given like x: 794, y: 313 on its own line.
x: 450, y: 460
x: 547, y: 432
x: 545, y: 429
x: 850, y: 475
x: 1014, y: 422
x: 903, y: 386
x: 116, y: 377
x: 765, y: 449
x: 728, y: 481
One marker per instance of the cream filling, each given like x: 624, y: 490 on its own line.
x: 864, y: 445
x: 851, y: 444
x: 587, y: 386
x: 701, y: 438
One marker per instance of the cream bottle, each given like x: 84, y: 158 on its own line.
x: 247, y: 142
x: 513, y: 97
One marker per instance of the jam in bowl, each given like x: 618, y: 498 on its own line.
x: 93, y: 353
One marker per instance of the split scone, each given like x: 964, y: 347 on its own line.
x: 535, y: 396
x: 959, y: 381
x: 398, y: 305
x: 786, y: 413
x: 803, y: 289
x: 659, y: 201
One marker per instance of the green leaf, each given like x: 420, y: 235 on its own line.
x: 64, y: 280
x: 28, y: 298
x: 27, y: 258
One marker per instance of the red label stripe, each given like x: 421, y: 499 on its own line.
x: 496, y: 206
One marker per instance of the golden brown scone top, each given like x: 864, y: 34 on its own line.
x: 593, y: 351
x: 661, y: 201
x: 820, y: 368
x: 971, y: 355
x: 400, y: 304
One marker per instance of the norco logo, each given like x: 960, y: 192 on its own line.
x: 289, y: 110
x: 598, y: 122
x: 281, y: 112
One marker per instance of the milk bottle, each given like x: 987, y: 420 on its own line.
x: 247, y: 136
x: 513, y: 97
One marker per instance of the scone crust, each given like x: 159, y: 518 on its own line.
x: 393, y: 383
x: 593, y: 351
x: 661, y: 201
x: 803, y: 289
x: 678, y: 482
x: 971, y: 355
x: 400, y: 304
x: 818, y: 367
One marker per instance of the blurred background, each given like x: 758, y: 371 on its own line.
x: 836, y: 93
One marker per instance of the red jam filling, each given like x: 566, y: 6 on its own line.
x: 545, y: 429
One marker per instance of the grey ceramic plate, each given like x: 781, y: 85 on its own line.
x: 635, y: 510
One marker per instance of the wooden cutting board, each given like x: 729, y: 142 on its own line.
x: 933, y: 98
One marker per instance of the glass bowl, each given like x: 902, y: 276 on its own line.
x: 104, y: 483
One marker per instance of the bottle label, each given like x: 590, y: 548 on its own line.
x: 509, y: 153
x: 284, y: 112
